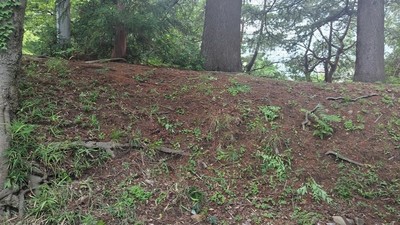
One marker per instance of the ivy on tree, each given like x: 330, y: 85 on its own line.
x: 6, y: 25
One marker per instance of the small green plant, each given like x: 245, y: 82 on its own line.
x: 116, y: 135
x: 126, y: 202
x: 269, y: 112
x: 237, y: 88
x: 272, y: 161
x: 350, y: 126
x: 388, y: 100
x: 303, y: 217
x: 218, y: 198
x: 230, y: 153
x: 323, y: 124
x: 59, y: 66
x: 316, y: 191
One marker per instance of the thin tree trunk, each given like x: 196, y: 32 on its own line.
x: 63, y: 22
x: 260, y: 37
x: 9, y: 67
x: 370, y: 41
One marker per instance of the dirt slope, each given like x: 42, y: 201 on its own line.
x: 244, y: 155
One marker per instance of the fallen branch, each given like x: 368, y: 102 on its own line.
x: 106, y: 60
x: 351, y: 100
x: 339, y: 156
x: 307, y: 121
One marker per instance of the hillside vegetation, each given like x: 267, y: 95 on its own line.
x: 189, y: 147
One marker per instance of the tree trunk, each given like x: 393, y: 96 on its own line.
x: 221, y: 36
x: 63, y: 19
x: 120, y: 43
x: 9, y: 66
x: 120, y: 38
x: 370, y: 41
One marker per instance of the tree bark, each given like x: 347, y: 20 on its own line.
x: 221, y: 40
x: 9, y: 66
x: 370, y: 41
x: 63, y: 19
x: 120, y: 38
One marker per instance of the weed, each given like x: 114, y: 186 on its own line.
x: 323, y: 126
x: 303, y: 217
x: 237, y: 88
x: 167, y: 124
x: 126, y: 202
x: 230, y: 153
x: 88, y: 100
x: 388, y: 100
x: 272, y: 161
x: 317, y: 192
x: 218, y: 198
x: 270, y: 113
x: 18, y: 154
x: 116, y: 135
x: 350, y: 126
x: 58, y: 66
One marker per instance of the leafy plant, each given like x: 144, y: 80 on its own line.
x: 350, y: 126
x: 237, y: 88
x: 59, y: 66
x: 127, y: 201
x: 323, y: 124
x: 272, y: 161
x: 270, y: 112
x: 317, y: 192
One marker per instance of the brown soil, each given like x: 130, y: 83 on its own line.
x: 194, y: 112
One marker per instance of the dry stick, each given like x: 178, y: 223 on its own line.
x: 353, y: 99
x: 306, y: 121
x: 344, y: 158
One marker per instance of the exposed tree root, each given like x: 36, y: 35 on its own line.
x: 351, y: 100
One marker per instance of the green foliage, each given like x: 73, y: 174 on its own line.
x: 350, y: 126
x: 237, y: 88
x: 270, y: 112
x: 126, y: 202
x: 303, y: 217
x: 317, y: 192
x: 6, y: 24
x: 367, y: 184
x: 280, y: 164
x: 323, y: 124
x: 18, y: 154
x: 57, y: 66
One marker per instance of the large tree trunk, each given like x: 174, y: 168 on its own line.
x: 370, y: 41
x: 9, y: 66
x: 63, y: 22
x: 121, y: 36
x: 221, y: 36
